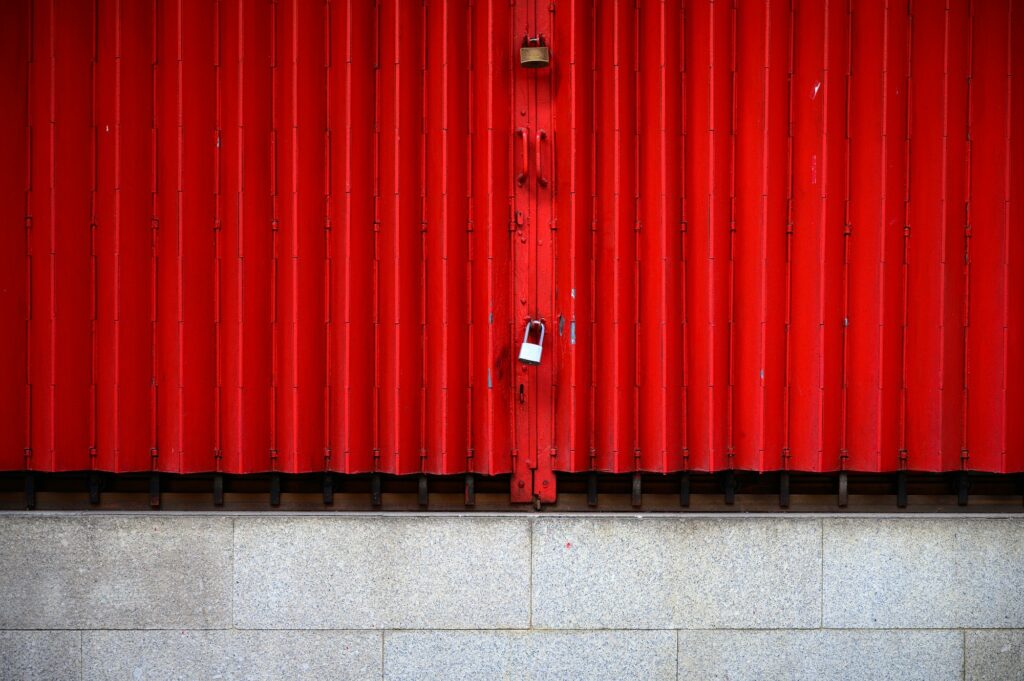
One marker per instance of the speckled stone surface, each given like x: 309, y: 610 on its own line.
x: 40, y: 655
x: 231, y: 655
x: 996, y: 655
x: 114, y: 572
x: 382, y: 572
x: 927, y: 573
x: 822, y: 655
x: 531, y: 656
x: 655, y: 573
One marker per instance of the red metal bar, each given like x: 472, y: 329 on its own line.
x: 446, y: 351
x: 878, y: 130
x: 615, y: 239
x: 934, y: 355
x: 762, y: 111
x: 184, y: 82
x: 492, y: 351
x: 245, y: 217
x: 123, y: 202
x: 1015, y: 247
x: 400, y: 239
x: 818, y: 93
x: 659, y: 335
x: 708, y: 93
x: 300, y: 122
x: 15, y: 54
x: 60, y: 209
x: 352, y: 261
x: 988, y: 230
x: 573, y: 127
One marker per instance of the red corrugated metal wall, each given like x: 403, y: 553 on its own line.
x: 244, y: 235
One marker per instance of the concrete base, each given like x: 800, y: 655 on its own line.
x: 271, y: 596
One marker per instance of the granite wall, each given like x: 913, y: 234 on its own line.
x: 102, y: 596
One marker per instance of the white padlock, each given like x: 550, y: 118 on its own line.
x: 529, y: 353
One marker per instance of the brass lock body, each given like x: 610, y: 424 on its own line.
x: 534, y: 54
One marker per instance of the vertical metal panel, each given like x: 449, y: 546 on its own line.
x: 759, y: 246
x: 250, y: 236
x: 574, y: 215
x: 400, y: 240
x: 988, y: 237
x: 60, y: 238
x: 121, y: 238
x: 659, y: 239
x: 245, y: 237
x: 615, y: 238
x: 707, y: 184
x: 490, y: 254
x: 446, y: 350
x: 934, y: 353
x: 878, y: 178
x: 351, y: 90
x: 15, y: 52
x: 300, y: 112
x: 1015, y: 248
x: 186, y: 151
x: 818, y: 109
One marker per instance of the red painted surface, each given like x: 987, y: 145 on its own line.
x: 307, y: 235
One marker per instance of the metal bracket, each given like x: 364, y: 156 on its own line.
x: 275, y: 489
x: 784, y: 489
x: 637, y: 497
x: 30, y: 491
x: 684, y: 490
x: 729, y: 485
x: 591, y: 489
x: 423, y: 491
x: 470, y: 489
x: 901, y: 489
x: 375, y: 493
x: 154, y: 490
x: 218, y: 489
x: 328, y: 489
x: 95, y: 483
x: 963, y: 487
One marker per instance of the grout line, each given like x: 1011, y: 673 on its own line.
x: 821, y: 578
x: 81, y: 654
x: 382, y: 654
x: 234, y: 573
x: 963, y: 654
x: 529, y: 616
x: 677, y: 654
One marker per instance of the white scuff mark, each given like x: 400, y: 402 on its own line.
x: 817, y: 86
x: 814, y: 169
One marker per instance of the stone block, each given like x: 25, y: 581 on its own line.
x: 40, y: 655
x: 820, y: 655
x: 76, y: 571
x: 231, y: 655
x: 373, y: 572
x: 666, y: 573
x: 529, y: 655
x: 923, y: 572
x: 995, y: 655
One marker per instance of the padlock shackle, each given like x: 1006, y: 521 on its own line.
x: 530, y: 323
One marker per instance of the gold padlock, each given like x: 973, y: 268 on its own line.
x: 534, y: 53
